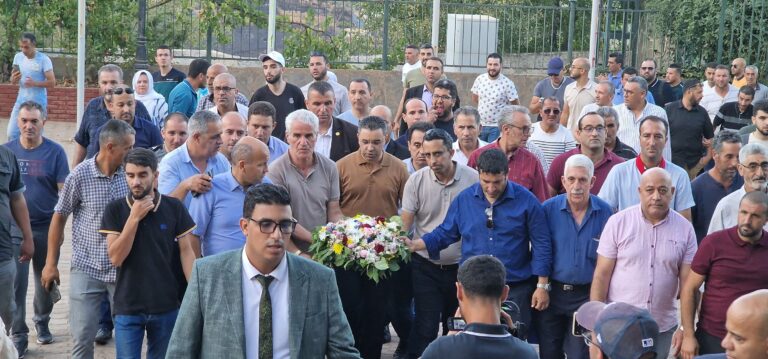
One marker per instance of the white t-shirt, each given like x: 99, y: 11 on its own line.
x: 712, y: 101
x: 493, y: 95
x: 552, y: 144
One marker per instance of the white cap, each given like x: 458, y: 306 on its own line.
x: 273, y: 55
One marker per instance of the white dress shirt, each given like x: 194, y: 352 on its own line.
x: 279, y: 293
x: 629, y: 126
x: 459, y: 156
x: 323, y: 144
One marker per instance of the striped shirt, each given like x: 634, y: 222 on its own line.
x: 629, y: 126
x: 85, y: 194
x: 648, y: 261
x: 552, y: 144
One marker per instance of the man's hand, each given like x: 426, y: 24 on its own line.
x: 507, y: 319
x: 28, y: 82
x: 49, y: 276
x: 27, y: 250
x: 200, y: 183
x: 141, y: 207
x: 540, y: 299
x: 15, y: 76
x: 689, y: 347
x: 414, y: 245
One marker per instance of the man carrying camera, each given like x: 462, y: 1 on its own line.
x: 481, y: 290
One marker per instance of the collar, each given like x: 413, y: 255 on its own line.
x: 641, y: 166
x: 733, y: 233
x: 486, y: 330
x: 280, y: 272
x: 426, y: 89
x: 330, y: 130
x: 97, y: 172
x: 588, y: 85
x: 511, y: 156
x: 456, y: 175
x: 695, y: 108
x: 564, y: 204
x: 184, y: 153
x: 655, y: 81
x: 509, y: 193
x: 231, y: 181
x: 385, y: 159
x: 156, y: 200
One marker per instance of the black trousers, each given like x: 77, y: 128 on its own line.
x: 434, y: 293
x: 365, y: 305
x: 554, y: 324
x: 708, y: 343
x: 399, y: 311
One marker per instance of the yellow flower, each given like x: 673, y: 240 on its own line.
x: 337, y: 248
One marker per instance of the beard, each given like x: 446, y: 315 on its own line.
x: 142, y: 194
x: 275, y: 79
x: 321, y: 76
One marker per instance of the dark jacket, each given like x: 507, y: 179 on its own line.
x: 397, y: 150
x: 344, y: 139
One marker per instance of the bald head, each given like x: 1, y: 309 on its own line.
x: 249, y: 160
x: 753, y: 307
x: 656, y: 193
x: 582, y: 62
x: 383, y: 112
x: 656, y: 174
x: 213, y: 71
x: 233, y: 129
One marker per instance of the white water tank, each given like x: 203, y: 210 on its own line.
x: 469, y: 40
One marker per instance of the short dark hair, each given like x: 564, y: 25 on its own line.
x: 494, y: 55
x: 439, y: 134
x: 29, y: 37
x: 162, y: 47
x: 180, y: 115
x: 630, y: 71
x: 31, y: 106
x: 723, y: 67
x: 712, y: 65
x: 321, y: 87
x: 469, y: 111
x: 197, y: 67
x: 115, y: 131
x: 265, y: 193
x: 262, y: 108
x: 411, y: 46
x: 676, y: 67
x: 373, y: 123
x: 760, y: 105
x: 656, y: 119
x: 756, y: 197
x: 725, y: 136
x: 747, y: 90
x: 435, y: 58
x: 618, y: 57
x: 493, y: 161
x: 363, y: 81
x: 450, y: 86
x: 482, y: 276
x: 425, y: 46
x: 318, y: 54
x: 141, y: 157
x: 420, y: 126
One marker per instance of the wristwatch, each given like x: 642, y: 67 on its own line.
x: 545, y: 286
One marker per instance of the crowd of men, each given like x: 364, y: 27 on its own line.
x: 625, y: 191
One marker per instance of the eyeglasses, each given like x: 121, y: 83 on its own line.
x: 525, y: 129
x: 444, y: 98
x: 489, y: 213
x: 551, y: 110
x: 267, y: 226
x: 225, y: 89
x: 590, y: 129
x: 647, y: 68
x: 754, y: 166
x: 588, y: 339
x: 120, y: 90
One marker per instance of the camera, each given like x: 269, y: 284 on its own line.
x: 519, y: 329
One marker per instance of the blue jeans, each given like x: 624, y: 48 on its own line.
x: 129, y: 334
x: 42, y: 304
x: 489, y: 133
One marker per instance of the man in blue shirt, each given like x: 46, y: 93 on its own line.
x: 579, y: 218
x: 44, y: 168
x: 512, y: 229
x: 261, y: 123
x: 190, y: 168
x: 33, y: 71
x: 183, y: 97
x: 96, y: 114
x: 122, y: 106
x: 218, y: 224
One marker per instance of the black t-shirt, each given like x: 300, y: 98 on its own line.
x: 662, y: 92
x: 165, y: 84
x: 686, y: 129
x: 290, y: 100
x: 480, y: 341
x: 147, y: 281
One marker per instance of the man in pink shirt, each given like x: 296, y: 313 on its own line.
x: 645, y: 252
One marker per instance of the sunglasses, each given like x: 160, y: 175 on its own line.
x: 489, y: 221
x: 551, y: 110
x: 120, y: 90
x: 647, y: 68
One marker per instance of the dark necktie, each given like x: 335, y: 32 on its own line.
x: 265, y: 318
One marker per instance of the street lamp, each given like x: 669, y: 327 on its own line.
x: 141, y: 40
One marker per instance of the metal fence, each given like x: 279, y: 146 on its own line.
x: 373, y: 33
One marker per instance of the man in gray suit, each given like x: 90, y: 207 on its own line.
x: 299, y: 316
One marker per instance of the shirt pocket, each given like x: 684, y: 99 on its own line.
x: 5, y: 175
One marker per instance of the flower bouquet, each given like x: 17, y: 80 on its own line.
x: 370, y: 245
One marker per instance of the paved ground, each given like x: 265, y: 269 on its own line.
x: 59, y: 325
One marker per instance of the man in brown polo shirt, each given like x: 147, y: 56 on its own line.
x: 371, y: 182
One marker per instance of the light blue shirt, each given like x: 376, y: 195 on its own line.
x: 34, y: 68
x: 409, y: 165
x: 217, y: 214
x: 349, y: 117
x: 177, y: 166
x: 276, y: 148
x: 620, y: 187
